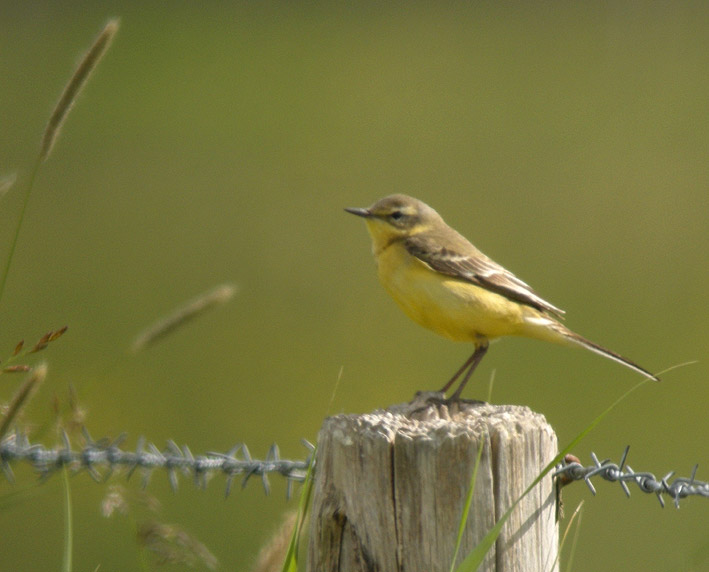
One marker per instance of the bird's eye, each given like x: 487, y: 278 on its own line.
x: 396, y: 215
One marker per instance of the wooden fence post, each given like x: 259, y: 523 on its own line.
x: 390, y: 487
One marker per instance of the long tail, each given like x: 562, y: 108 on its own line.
x: 543, y: 327
x: 600, y: 350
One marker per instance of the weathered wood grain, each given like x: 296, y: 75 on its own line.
x: 390, y: 488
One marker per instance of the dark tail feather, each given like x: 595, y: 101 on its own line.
x: 600, y: 350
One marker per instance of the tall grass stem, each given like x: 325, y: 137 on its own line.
x: 51, y: 132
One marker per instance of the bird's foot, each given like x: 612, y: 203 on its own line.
x: 425, y: 399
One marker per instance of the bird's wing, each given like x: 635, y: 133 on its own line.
x: 468, y: 263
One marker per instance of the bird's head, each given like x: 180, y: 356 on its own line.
x: 396, y: 216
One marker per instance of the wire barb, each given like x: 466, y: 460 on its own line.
x: 101, y: 458
x: 679, y: 488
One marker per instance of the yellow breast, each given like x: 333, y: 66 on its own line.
x: 451, y: 307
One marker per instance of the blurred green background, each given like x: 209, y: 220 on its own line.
x: 220, y: 143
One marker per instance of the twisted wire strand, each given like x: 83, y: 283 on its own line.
x: 101, y: 458
x: 678, y: 488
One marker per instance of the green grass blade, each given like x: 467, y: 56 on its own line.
x: 490, y: 386
x: 68, y: 524
x: 468, y: 501
x: 20, y: 219
x: 290, y: 563
x: 473, y: 561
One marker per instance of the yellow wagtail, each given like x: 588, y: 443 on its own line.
x: 442, y: 282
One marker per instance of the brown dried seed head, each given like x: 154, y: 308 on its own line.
x: 57, y: 334
x: 44, y: 339
x: 18, y: 347
x: 16, y: 368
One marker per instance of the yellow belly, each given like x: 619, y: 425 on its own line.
x: 453, y: 308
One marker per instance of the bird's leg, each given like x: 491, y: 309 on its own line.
x: 473, y: 362
x: 456, y: 375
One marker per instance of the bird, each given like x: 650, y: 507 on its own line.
x: 444, y: 283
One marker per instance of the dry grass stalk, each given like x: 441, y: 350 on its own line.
x: 173, y: 545
x: 70, y: 415
x: 22, y: 396
x: 125, y: 501
x: 181, y: 316
x: 271, y: 556
x: 6, y: 183
x: 73, y: 88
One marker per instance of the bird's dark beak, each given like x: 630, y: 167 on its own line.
x: 359, y: 212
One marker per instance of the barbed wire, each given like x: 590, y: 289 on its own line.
x: 678, y: 488
x: 107, y: 456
